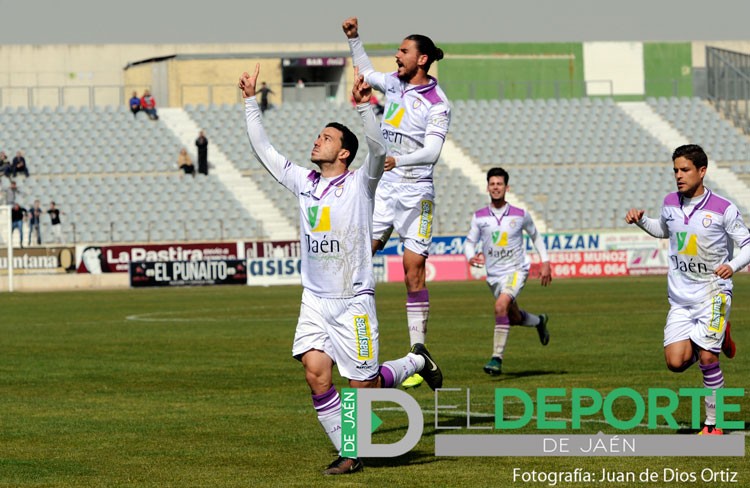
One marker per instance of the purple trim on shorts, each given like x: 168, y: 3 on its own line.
x: 388, y: 375
x: 366, y: 291
x: 672, y: 200
x: 327, y: 401
x: 515, y: 211
x: 715, y: 203
x: 419, y: 296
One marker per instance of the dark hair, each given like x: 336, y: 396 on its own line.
x: 348, y: 140
x: 692, y: 152
x: 426, y: 46
x: 498, y: 172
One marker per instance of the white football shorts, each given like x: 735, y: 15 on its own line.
x: 344, y: 328
x: 407, y: 208
x: 703, y: 323
x: 509, y: 284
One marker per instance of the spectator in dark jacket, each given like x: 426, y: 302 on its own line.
x: 19, y: 165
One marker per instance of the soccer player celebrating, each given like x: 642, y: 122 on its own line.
x: 337, y: 322
x: 495, y: 240
x: 700, y: 226
x: 414, y: 125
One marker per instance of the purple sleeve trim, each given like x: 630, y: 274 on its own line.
x: 672, y: 200
x: 483, y: 212
x: 717, y: 204
x: 432, y: 96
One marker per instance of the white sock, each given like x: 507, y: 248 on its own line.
x: 501, y: 337
x: 417, y: 313
x: 328, y: 407
x: 404, y: 367
x: 529, y: 319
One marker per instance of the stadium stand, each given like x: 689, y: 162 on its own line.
x: 703, y: 125
x: 116, y: 179
x: 576, y: 163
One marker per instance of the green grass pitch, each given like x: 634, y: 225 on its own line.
x: 196, y: 386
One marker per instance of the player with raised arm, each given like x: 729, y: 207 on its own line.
x: 337, y: 322
x: 496, y: 241
x: 414, y: 125
x: 702, y: 228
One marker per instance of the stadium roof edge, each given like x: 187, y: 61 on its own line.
x: 293, y: 54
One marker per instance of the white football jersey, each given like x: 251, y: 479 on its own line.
x: 500, y: 232
x: 699, y: 243
x: 335, y: 215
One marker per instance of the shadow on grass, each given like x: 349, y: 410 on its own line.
x: 524, y: 374
x: 411, y: 458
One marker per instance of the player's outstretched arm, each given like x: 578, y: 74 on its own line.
x: 268, y: 156
x: 359, y: 56
x: 361, y: 92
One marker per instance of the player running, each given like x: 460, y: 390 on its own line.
x: 414, y: 125
x: 496, y: 241
x: 701, y: 227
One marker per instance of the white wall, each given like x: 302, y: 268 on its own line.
x: 613, y: 68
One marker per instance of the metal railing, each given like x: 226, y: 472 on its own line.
x: 728, y: 77
x: 217, y: 94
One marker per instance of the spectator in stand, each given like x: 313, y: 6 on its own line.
x: 35, y: 218
x: 12, y: 193
x: 148, y: 105
x: 5, y: 167
x: 54, y: 218
x: 185, y: 163
x: 135, y: 104
x: 17, y: 215
x: 263, y: 93
x: 19, y: 165
x: 202, y: 144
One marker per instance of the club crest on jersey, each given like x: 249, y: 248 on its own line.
x: 687, y: 243
x: 500, y: 238
x: 417, y: 103
x: 393, y: 115
x: 339, y: 191
x: 319, y: 218
x: 707, y: 220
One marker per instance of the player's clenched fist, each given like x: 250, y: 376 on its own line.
x: 634, y: 215
x: 351, y: 27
